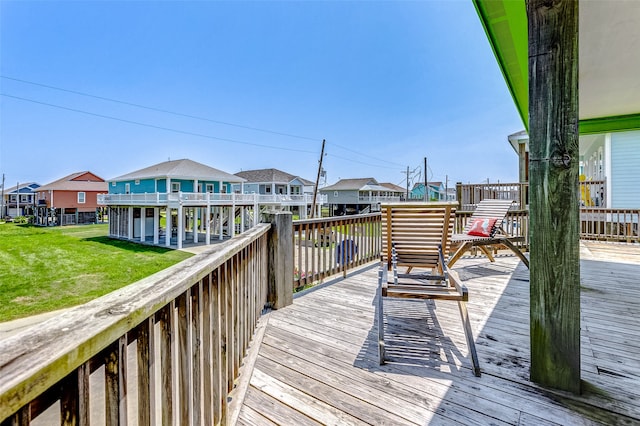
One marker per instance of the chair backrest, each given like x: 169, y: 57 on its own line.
x: 490, y: 209
x: 417, y: 230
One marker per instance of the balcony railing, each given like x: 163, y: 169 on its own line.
x: 204, y: 198
x: 378, y: 199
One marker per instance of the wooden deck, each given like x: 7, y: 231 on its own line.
x: 315, y: 362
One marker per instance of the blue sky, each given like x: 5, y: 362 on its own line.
x: 385, y: 83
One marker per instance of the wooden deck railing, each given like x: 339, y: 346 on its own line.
x: 469, y: 195
x: 609, y: 224
x: 619, y: 225
x: 187, y: 327
x: 328, y: 246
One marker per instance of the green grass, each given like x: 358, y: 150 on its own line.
x: 44, y: 269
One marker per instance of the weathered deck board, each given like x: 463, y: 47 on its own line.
x: 317, y: 362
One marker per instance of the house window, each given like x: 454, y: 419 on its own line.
x: 210, y: 188
x: 81, y: 197
x: 175, y: 186
x: 267, y: 190
x: 113, y: 184
x: 13, y: 198
x: 335, y: 194
x: 127, y: 188
x: 137, y: 181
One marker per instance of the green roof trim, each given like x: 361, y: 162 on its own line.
x: 505, y: 23
x: 620, y: 123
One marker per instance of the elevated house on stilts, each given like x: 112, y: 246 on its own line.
x: 184, y: 202
x: 176, y: 202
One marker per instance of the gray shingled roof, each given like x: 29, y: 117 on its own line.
x: 270, y: 175
x: 350, y: 184
x: 68, y: 183
x: 393, y: 187
x: 181, y: 169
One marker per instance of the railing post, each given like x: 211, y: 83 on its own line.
x: 459, y: 194
x: 280, y: 269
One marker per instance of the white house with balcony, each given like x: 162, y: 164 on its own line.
x: 177, y: 201
x: 295, y: 193
x: 361, y: 195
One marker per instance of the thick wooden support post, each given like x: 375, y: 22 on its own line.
x: 554, y: 208
x: 280, y: 274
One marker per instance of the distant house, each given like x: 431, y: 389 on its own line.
x: 20, y: 200
x: 608, y: 168
x: 176, y: 201
x: 70, y: 200
x: 353, y: 196
x: 297, y: 192
x: 437, y: 192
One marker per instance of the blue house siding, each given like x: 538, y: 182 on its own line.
x: 162, y: 185
x: 625, y: 179
x: 145, y: 186
x: 149, y: 186
x: 185, y: 185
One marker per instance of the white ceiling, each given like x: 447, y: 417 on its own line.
x: 609, y: 48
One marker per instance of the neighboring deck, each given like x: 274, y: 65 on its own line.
x: 317, y: 361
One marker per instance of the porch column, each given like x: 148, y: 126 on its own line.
x: 130, y: 224
x: 232, y: 221
x: 180, y: 225
x: 196, y: 226
x: 243, y: 211
x: 167, y: 227
x: 256, y: 213
x: 207, y: 237
x: 185, y: 223
x: 156, y: 225
x: 221, y: 224
x: 143, y: 219
x: 554, y: 193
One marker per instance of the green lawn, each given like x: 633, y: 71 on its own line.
x: 43, y: 269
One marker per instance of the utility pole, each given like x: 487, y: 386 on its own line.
x: 2, y: 213
x: 446, y: 186
x: 407, y: 172
x: 426, y: 181
x: 315, y: 188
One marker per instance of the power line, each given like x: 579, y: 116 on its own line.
x: 364, y: 155
x: 153, y: 126
x: 195, y: 117
x: 360, y: 162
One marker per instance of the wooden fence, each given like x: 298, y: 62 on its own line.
x: 187, y: 328
x: 328, y: 246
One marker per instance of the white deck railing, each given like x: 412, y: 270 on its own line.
x: 207, y: 198
x: 378, y: 199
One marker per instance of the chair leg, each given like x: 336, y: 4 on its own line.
x: 458, y: 254
x: 380, y: 313
x: 487, y: 253
x: 517, y: 251
x: 469, y: 335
